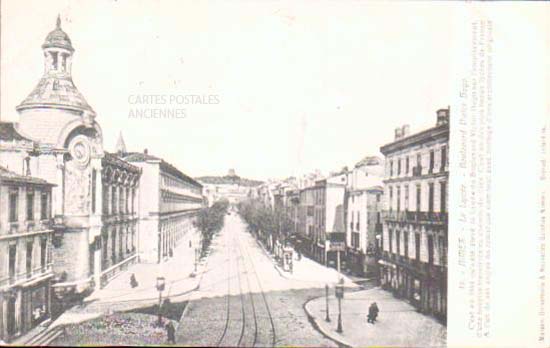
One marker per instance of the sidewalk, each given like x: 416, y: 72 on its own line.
x: 308, y: 270
x: 398, y: 323
x: 119, y: 296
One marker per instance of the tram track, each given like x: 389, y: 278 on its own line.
x: 253, y: 326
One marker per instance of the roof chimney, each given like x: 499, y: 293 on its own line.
x: 443, y: 116
x: 145, y: 151
x: 398, y: 133
x: 405, y: 130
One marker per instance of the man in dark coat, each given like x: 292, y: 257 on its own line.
x: 171, y: 332
x: 373, y: 313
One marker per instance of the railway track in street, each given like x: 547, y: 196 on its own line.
x: 248, y: 319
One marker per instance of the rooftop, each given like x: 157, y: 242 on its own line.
x: 58, y: 38
x: 8, y: 175
x: 9, y: 132
x: 167, y: 167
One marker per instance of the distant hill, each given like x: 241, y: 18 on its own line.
x: 228, y: 180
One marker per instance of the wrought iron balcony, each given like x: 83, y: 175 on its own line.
x: 416, y: 216
x: 25, y: 276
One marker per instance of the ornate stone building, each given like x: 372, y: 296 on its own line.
x: 414, y: 261
x: 25, y: 250
x: 168, y: 207
x: 60, y: 141
x: 120, y: 231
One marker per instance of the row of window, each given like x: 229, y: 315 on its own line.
x: 405, y: 189
x: 417, y: 244
x: 378, y: 198
x: 122, y: 200
x: 59, y: 60
x: 168, y: 181
x: 168, y: 197
x: 355, y: 223
x: 355, y: 241
x: 12, y: 258
x: 318, y: 196
x: 403, y: 165
x: 117, y: 253
x: 30, y: 214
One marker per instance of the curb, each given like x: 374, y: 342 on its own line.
x: 271, y: 258
x: 195, y: 289
x: 313, y: 320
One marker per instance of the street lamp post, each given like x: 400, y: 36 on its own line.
x: 327, y: 318
x: 160, y: 288
x: 340, y: 295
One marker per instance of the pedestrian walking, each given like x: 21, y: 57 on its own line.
x: 171, y: 332
x: 373, y: 313
x: 133, y: 281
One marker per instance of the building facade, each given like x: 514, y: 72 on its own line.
x: 168, y: 205
x: 363, y: 209
x: 415, y: 232
x: 26, y: 270
x: 328, y: 216
x: 306, y: 220
x: 59, y: 140
x: 118, y: 243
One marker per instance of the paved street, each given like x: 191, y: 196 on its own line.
x: 398, y: 324
x: 244, y: 300
x: 241, y: 298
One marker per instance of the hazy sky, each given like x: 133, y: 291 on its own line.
x: 300, y: 87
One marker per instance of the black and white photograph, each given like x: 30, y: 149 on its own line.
x: 242, y: 173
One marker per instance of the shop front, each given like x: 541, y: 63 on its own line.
x: 24, y: 307
x: 35, y: 306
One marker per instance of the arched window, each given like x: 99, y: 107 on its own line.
x: 54, y: 60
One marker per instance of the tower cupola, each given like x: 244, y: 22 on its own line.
x: 56, y: 88
x: 58, y: 51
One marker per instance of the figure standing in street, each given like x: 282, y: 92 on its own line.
x: 373, y: 313
x: 133, y: 281
x: 171, y: 332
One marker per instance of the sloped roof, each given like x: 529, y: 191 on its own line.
x: 8, y: 132
x: 369, y: 161
x: 56, y: 91
x: 143, y: 157
x: 58, y: 38
x: 118, y: 161
x: 140, y: 157
x: 8, y: 175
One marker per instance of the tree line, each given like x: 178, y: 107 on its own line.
x: 210, y: 221
x: 268, y: 224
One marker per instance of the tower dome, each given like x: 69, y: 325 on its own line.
x: 56, y: 88
x: 58, y: 38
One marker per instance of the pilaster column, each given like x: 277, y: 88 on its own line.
x: 57, y: 191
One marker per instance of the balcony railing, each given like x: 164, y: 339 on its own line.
x: 425, y: 268
x: 25, y: 276
x: 416, y: 216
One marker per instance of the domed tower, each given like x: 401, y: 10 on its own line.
x: 56, y: 115
x: 55, y: 106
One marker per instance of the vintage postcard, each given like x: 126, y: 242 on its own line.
x: 274, y: 173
